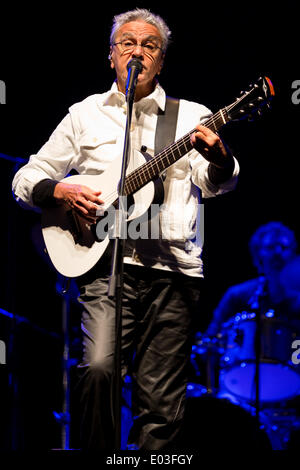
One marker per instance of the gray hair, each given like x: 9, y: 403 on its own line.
x: 148, y: 17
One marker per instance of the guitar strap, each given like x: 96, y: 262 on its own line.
x: 166, y: 125
x: 164, y: 135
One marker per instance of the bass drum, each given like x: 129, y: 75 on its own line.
x: 279, y: 378
x: 218, y: 424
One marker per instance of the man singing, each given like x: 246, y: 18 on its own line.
x: 162, y: 277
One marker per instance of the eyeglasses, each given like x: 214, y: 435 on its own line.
x: 127, y: 46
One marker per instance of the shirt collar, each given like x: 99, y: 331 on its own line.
x: 116, y: 97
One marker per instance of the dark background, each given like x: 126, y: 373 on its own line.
x: 53, y: 56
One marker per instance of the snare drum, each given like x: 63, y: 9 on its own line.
x: 279, y: 378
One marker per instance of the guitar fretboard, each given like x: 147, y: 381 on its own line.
x: 171, y: 154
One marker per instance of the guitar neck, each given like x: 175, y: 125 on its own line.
x: 171, y: 154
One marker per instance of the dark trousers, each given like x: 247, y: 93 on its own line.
x: 156, y: 341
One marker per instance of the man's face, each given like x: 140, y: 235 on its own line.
x: 275, y: 252
x: 140, y: 34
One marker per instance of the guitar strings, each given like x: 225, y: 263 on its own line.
x: 168, y: 152
x: 153, y: 164
x: 136, y: 175
x: 165, y: 154
x: 139, y: 172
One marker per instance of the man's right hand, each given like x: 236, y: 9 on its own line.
x: 80, y: 198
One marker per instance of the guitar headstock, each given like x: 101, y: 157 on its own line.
x: 253, y: 101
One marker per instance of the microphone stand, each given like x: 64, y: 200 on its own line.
x: 115, y: 288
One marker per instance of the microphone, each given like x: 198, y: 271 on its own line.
x: 134, y: 67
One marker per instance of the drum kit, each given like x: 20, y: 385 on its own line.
x: 261, y: 380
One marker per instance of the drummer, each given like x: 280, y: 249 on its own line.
x: 290, y: 282
x: 272, y: 247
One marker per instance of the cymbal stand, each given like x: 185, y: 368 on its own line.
x: 255, y: 306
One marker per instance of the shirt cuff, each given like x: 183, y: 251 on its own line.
x: 219, y: 175
x: 42, y: 194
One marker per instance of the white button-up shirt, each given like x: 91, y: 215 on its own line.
x: 92, y: 135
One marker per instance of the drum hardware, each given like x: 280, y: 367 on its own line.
x: 205, y: 358
x: 257, y: 342
x: 254, y: 304
x: 279, y: 425
x: 195, y: 390
x: 279, y: 378
x: 231, y: 371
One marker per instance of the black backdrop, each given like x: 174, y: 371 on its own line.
x: 55, y: 55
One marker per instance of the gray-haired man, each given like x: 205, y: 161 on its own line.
x: 162, y: 277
